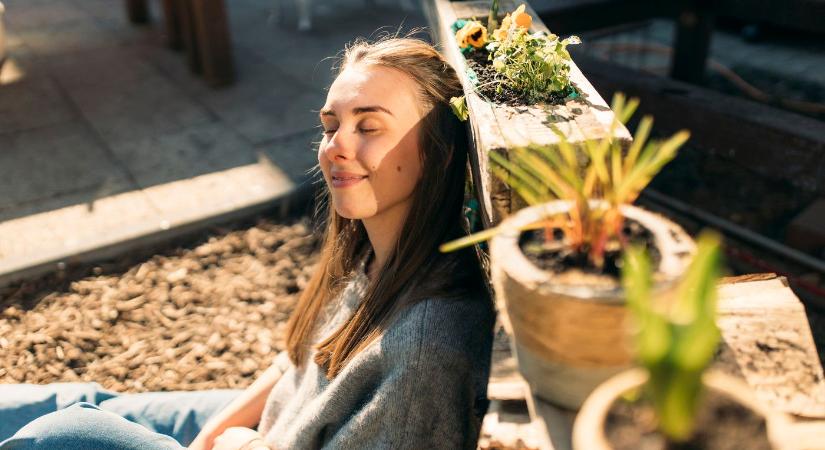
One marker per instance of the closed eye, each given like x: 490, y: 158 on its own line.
x: 362, y: 130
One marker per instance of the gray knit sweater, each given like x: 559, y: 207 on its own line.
x: 423, y: 384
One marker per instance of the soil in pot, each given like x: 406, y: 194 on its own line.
x: 722, y: 424
x: 554, y: 255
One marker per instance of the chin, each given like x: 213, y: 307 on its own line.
x: 352, y: 211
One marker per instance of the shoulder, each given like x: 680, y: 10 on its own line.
x: 442, y: 327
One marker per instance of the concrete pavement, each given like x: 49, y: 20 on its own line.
x: 108, y: 142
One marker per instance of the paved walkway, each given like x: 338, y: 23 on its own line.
x: 107, y: 138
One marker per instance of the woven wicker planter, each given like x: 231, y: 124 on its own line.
x: 568, y: 338
x: 588, y: 430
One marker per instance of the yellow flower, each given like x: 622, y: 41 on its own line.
x: 521, y: 18
x: 501, y: 33
x: 472, y: 34
x: 461, y: 37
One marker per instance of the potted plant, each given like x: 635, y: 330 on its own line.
x: 673, y: 402
x: 555, y: 264
x: 507, y: 64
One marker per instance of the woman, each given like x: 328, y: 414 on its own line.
x: 389, y: 345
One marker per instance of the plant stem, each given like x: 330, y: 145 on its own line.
x: 492, y: 18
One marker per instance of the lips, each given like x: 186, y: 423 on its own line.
x: 344, y: 179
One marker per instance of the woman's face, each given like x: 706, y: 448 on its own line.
x: 370, y: 151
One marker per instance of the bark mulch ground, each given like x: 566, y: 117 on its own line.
x: 209, y: 316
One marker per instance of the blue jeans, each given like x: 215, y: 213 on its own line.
x: 75, y: 416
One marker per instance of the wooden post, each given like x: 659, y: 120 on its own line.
x: 213, y: 41
x: 694, y: 27
x: 172, y: 23
x: 137, y: 10
x: 187, y: 30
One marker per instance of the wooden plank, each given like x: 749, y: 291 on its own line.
x: 748, y: 277
x: 768, y: 342
x: 508, y: 422
x: 772, y: 142
x: 213, y: 42
x: 507, y: 425
x: 500, y: 127
x: 137, y: 11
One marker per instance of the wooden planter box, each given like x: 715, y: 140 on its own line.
x: 501, y: 127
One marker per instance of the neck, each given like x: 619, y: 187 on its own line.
x: 382, y: 231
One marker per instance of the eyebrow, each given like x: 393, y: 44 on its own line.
x: 359, y: 110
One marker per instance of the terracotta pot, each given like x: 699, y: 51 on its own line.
x: 571, y: 337
x: 588, y: 430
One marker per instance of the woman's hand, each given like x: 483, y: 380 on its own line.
x: 203, y: 441
x: 239, y: 438
x: 244, y: 411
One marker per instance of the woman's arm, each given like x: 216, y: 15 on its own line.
x: 244, y: 411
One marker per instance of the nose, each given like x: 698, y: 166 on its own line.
x: 340, y: 146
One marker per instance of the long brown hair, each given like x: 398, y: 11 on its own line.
x: 415, y: 269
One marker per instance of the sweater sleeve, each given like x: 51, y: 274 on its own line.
x: 429, y: 396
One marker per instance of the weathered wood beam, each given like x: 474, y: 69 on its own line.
x: 767, y: 341
x: 772, y: 142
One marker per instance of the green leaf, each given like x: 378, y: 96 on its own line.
x: 676, y: 336
x: 468, y: 240
x: 652, y: 337
x: 642, y: 133
x: 459, y: 107
x: 527, y: 193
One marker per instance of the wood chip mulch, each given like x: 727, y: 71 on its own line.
x: 209, y: 316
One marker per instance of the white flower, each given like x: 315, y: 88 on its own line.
x: 498, y: 63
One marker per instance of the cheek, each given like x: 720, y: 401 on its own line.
x: 323, y: 161
x: 403, y: 167
x: 408, y: 164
